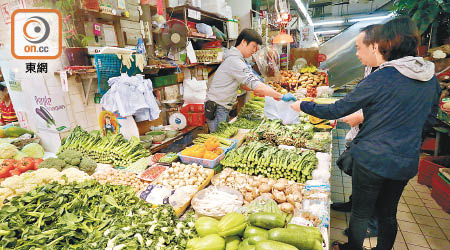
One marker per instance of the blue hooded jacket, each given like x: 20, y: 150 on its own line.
x: 396, y: 101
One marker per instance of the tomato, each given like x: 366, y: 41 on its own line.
x: 14, y: 172
x: 25, y: 164
x: 37, y: 161
x: 4, y: 170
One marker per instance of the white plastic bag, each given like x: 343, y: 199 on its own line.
x: 194, y: 91
x: 280, y: 110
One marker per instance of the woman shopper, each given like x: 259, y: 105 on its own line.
x: 396, y: 100
x: 8, y: 114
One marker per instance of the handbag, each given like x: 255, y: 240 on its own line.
x: 210, y: 110
x: 345, y: 162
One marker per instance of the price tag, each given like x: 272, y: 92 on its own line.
x: 194, y: 14
x: 64, y: 82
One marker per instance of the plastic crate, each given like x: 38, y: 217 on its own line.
x: 427, y: 168
x: 441, y: 192
x: 195, y: 114
x: 161, y: 81
x: 200, y: 161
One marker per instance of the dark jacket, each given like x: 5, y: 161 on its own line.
x: 395, y: 106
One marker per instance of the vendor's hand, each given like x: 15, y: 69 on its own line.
x: 354, y: 119
x: 296, y: 106
x: 288, y: 97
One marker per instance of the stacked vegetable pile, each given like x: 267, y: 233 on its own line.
x: 109, y: 149
x: 308, y: 78
x: 14, y: 132
x: 70, y: 159
x: 10, y: 167
x: 253, y: 109
x: 257, y: 158
x: 120, y: 177
x: 9, y: 151
x: 246, y: 123
x: 261, y: 231
x: 209, y: 150
x: 19, y: 185
x: 287, y: 194
x: 89, y: 215
x: 225, y: 130
x: 180, y: 175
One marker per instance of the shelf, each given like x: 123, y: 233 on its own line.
x: 206, y: 38
x: 166, y: 143
x: 180, y: 9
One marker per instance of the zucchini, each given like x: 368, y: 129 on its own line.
x: 266, y: 220
x: 309, y: 230
x: 253, y: 231
x: 298, y: 238
x: 274, y: 245
x: 253, y: 240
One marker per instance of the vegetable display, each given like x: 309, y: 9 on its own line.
x: 223, y: 142
x: 180, y: 175
x: 120, y: 177
x: 225, y: 130
x: 10, y: 167
x: 257, y: 158
x: 109, y: 149
x: 70, y: 159
x: 152, y: 173
x: 90, y: 216
x: 139, y: 165
x: 7, y: 151
x: 209, y: 150
x: 14, y: 131
x: 33, y: 150
x: 246, y: 123
x: 308, y: 78
x: 253, y: 109
x: 252, y: 187
x: 217, y: 201
x: 19, y: 185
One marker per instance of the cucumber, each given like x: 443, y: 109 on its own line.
x: 274, y: 245
x: 252, y: 231
x: 253, y: 240
x: 244, y: 245
x: 266, y: 220
x: 296, y: 237
x: 309, y: 230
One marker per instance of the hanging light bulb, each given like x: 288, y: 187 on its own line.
x: 283, y: 38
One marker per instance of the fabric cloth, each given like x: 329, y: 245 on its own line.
x: 222, y: 115
x: 395, y: 108
x: 131, y: 96
x: 233, y: 72
x: 8, y: 114
x: 371, y: 193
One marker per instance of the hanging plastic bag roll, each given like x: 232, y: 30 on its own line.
x: 280, y: 110
x: 194, y: 91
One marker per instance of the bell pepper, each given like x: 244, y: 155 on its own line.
x: 210, y: 242
x: 232, y: 242
x: 212, y: 143
x: 232, y: 224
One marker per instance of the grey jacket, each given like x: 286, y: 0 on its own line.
x: 233, y: 72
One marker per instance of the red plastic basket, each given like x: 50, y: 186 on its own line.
x: 195, y: 114
x: 427, y: 168
x: 441, y: 192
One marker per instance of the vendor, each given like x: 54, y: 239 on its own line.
x: 233, y: 72
x: 8, y: 114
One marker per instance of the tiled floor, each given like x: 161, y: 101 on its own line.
x: 422, y: 222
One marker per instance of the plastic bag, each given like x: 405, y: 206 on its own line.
x: 280, y: 110
x: 205, y: 29
x: 194, y: 91
x: 268, y: 61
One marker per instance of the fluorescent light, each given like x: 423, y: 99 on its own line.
x: 304, y: 11
x: 329, y: 22
x: 327, y: 32
x: 371, y: 18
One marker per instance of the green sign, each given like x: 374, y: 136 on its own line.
x: 15, y: 86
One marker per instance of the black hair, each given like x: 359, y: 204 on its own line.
x: 249, y: 35
x: 372, y: 33
x: 399, y: 37
x: 2, y: 87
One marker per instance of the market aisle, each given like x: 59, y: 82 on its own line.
x: 422, y: 222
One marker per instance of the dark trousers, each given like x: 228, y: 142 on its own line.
x: 373, y: 221
x: 372, y: 193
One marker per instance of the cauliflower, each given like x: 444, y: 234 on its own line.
x: 73, y: 174
x: 13, y: 182
x: 88, y: 165
x: 7, y: 151
x: 34, y: 150
x: 71, y: 157
x: 53, y: 163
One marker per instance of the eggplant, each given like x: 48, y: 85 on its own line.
x: 48, y: 115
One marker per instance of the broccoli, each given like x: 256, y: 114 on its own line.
x: 53, y: 163
x: 88, y: 165
x: 71, y: 157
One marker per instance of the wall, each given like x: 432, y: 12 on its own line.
x: 241, y: 9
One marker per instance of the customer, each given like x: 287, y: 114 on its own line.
x: 396, y: 100
x: 234, y: 71
x: 364, y: 44
x: 8, y: 114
